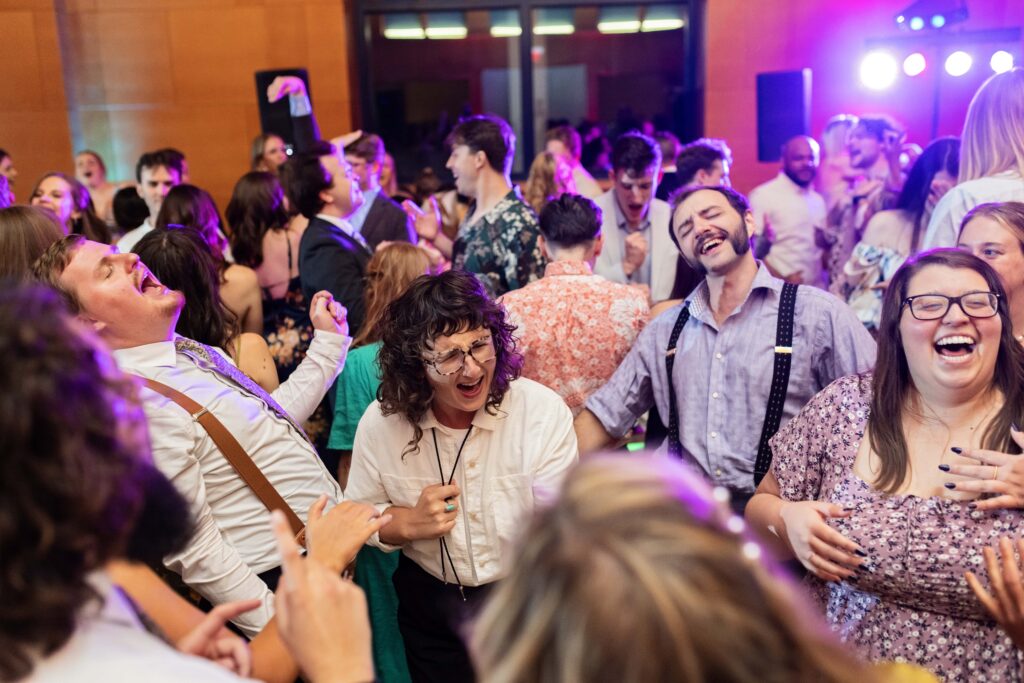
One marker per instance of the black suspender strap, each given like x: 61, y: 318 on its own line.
x: 780, y: 380
x: 675, y: 448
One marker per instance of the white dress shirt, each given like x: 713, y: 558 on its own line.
x: 793, y: 212
x: 233, y: 541
x: 110, y: 644
x: 132, y: 237
x: 512, y: 461
x: 944, y: 226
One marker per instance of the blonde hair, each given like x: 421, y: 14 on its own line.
x: 993, y: 137
x: 388, y: 274
x: 833, y: 138
x: 638, y: 574
x: 1010, y: 215
x: 544, y: 184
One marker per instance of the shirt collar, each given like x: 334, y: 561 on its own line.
x: 339, y: 223
x: 492, y: 215
x: 482, y: 420
x: 620, y: 219
x: 358, y: 217
x: 700, y: 300
x: 567, y: 268
x: 156, y: 355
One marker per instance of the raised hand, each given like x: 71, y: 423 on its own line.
x: 1006, y: 601
x: 328, y: 315
x: 426, y: 222
x: 435, y: 512
x: 285, y: 85
x: 998, y: 473
x: 335, y: 538
x: 636, y: 253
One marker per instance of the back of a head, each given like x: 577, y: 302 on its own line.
x: 74, y: 453
x: 541, y: 183
x: 669, y: 146
x: 256, y: 207
x: 368, y: 147
x: 130, y: 210
x: 993, y: 137
x: 489, y: 134
x: 25, y: 233
x: 304, y: 178
x: 570, y: 221
x: 181, y: 259
x: 635, y: 154
x: 388, y: 274
x: 701, y: 155
x: 166, y: 158
x: 192, y: 206
x: 638, y: 557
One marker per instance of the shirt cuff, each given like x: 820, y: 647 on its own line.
x: 298, y: 105
x: 375, y: 539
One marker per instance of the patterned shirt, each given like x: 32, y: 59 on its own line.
x: 501, y: 247
x: 723, y: 373
x: 575, y: 328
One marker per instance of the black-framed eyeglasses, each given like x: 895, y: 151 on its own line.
x: 935, y: 306
x: 451, y: 362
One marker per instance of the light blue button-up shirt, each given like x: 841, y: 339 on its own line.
x: 723, y: 374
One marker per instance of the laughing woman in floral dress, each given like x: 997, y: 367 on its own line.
x: 859, y: 491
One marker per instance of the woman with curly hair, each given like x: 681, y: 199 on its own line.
x: 550, y: 177
x: 459, y: 451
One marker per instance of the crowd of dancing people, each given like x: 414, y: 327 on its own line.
x: 619, y: 422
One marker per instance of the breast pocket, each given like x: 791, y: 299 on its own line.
x: 404, y: 491
x: 511, y: 505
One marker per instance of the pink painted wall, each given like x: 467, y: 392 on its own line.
x: 748, y: 37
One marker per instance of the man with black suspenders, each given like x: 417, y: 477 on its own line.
x: 742, y: 353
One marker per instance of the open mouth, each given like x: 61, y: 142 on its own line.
x: 150, y: 285
x: 708, y: 245
x: 955, y: 348
x: 471, y: 389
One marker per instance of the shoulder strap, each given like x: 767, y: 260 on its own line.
x: 675, y: 448
x: 780, y: 380
x: 235, y: 454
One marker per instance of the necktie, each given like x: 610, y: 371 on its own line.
x: 206, y: 357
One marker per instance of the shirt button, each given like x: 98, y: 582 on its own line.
x: 475, y: 517
x: 714, y: 395
x: 718, y: 472
x: 714, y: 435
x: 718, y: 356
x: 472, y: 464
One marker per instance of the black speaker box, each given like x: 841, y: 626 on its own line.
x: 275, y: 118
x: 783, y: 110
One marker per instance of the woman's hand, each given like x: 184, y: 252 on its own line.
x: 822, y: 550
x: 435, y: 512
x: 210, y: 640
x: 1007, y: 605
x: 1000, y: 474
x: 328, y: 315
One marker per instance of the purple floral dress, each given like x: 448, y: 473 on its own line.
x: 911, y: 603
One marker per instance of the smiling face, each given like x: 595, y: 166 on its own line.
x: 864, y: 148
x: 713, y: 237
x: 458, y: 396
x: 123, y: 301
x: 955, y: 354
x: 54, y: 193
x: 344, y: 195
x: 465, y: 165
x: 634, y: 193
x: 993, y: 242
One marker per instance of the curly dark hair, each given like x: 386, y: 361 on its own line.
x: 72, y: 475
x: 433, y: 306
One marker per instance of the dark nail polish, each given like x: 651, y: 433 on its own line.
x: 950, y: 485
x: 972, y: 506
x: 944, y: 468
x: 957, y: 450
x: 860, y: 552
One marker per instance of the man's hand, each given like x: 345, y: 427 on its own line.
x: 343, y: 141
x: 335, y: 538
x: 313, y: 606
x: 328, y: 315
x: 212, y: 641
x: 427, y: 223
x: 285, y: 85
x: 636, y: 253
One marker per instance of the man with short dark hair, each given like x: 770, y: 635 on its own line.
x: 156, y: 173
x: 704, y: 162
x: 726, y: 368
x: 497, y: 241
x: 332, y: 254
x: 670, y: 149
x: 788, y: 209
x: 637, y: 247
x: 574, y: 327
x: 379, y: 218
x: 565, y: 142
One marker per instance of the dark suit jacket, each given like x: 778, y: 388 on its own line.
x: 387, y: 222
x: 329, y: 259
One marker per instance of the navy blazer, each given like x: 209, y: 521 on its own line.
x: 386, y: 221
x: 330, y: 259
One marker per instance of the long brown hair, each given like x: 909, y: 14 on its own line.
x: 388, y: 274
x: 893, y: 388
x: 638, y: 574
x: 25, y: 233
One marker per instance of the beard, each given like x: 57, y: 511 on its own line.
x: 163, y: 525
x: 739, y: 239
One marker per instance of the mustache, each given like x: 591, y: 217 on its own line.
x: 704, y: 239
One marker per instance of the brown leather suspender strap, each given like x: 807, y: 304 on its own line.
x: 235, y: 454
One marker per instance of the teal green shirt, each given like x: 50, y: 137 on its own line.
x: 357, y: 389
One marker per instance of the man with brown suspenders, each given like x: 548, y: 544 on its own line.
x: 232, y: 554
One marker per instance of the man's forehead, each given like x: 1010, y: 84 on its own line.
x: 700, y: 200
x: 626, y: 177
x: 86, y: 256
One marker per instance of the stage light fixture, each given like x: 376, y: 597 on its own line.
x: 1001, y: 61
x: 915, y: 64
x: 916, y: 24
x: 878, y: 70
x: 938, y: 21
x: 931, y: 14
x: 958, y: 63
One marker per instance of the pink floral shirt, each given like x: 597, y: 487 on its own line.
x: 574, y: 328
